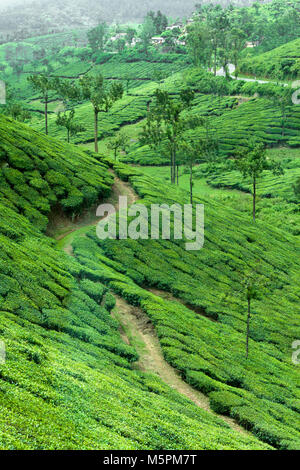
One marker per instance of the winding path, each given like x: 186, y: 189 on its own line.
x: 136, y: 328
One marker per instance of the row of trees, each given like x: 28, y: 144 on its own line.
x: 219, y: 35
x: 217, y: 40
x: 167, y: 130
x: 102, y: 96
x: 269, y: 24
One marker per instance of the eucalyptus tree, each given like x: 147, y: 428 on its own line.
x: 199, y: 44
x: 102, y: 96
x: 166, y: 124
x: 252, y: 162
x: 43, y: 84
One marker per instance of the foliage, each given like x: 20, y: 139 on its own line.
x: 117, y: 143
x: 96, y: 37
x: 280, y: 63
x: 201, y: 335
x: 68, y: 381
x: 41, y: 174
x: 159, y: 20
x: 252, y: 162
x: 67, y: 120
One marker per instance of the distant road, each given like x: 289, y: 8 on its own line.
x: 231, y: 70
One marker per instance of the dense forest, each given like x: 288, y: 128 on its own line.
x: 140, y: 342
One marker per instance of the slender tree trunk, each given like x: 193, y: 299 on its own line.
x: 174, y: 165
x: 191, y: 184
x: 235, y: 69
x: 254, y: 198
x: 177, y: 166
x: 215, y: 62
x: 283, y: 122
x: 46, y: 115
x: 96, y: 131
x: 68, y: 136
x: 248, y: 328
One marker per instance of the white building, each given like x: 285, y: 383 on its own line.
x: 157, y: 40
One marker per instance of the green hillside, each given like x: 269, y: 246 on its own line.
x: 139, y: 343
x: 204, y: 337
x: 38, y: 173
x: 275, y: 194
x: 234, y: 115
x: 279, y: 63
x: 69, y: 381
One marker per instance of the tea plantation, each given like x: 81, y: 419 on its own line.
x: 282, y: 62
x: 203, y: 335
x: 38, y: 173
x: 73, y: 375
x: 68, y: 381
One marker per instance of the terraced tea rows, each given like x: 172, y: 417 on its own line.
x: 208, y: 346
x: 68, y: 380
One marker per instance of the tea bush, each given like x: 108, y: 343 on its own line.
x: 68, y: 380
x: 43, y: 173
x: 203, y: 333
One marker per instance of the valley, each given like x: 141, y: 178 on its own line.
x: 136, y: 343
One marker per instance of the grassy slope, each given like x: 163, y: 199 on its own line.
x: 68, y: 381
x: 209, y: 348
x: 262, y: 394
x: 234, y: 124
x: 285, y: 59
x: 38, y: 173
x: 274, y: 194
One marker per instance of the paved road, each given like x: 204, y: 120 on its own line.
x: 231, y: 70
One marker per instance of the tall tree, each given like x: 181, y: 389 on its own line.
x: 252, y: 162
x: 101, y: 96
x: 130, y: 34
x: 238, y: 41
x: 166, y: 124
x: 17, y: 112
x: 199, y: 149
x: 217, y: 21
x: 44, y: 85
x: 96, y: 37
x: 146, y: 33
x: 159, y: 20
